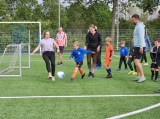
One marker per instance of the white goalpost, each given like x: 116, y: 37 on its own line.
x: 16, y: 55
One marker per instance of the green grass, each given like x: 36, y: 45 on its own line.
x: 34, y: 82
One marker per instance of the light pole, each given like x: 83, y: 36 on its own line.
x: 117, y: 24
x: 59, y: 12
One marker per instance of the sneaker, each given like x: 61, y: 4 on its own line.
x: 158, y: 91
x: 89, y: 74
x: 156, y: 80
x: 118, y: 69
x: 134, y: 73
x: 136, y: 79
x: 145, y: 63
x: 71, y: 78
x: 141, y: 80
x: 109, y: 76
x: 83, y: 76
x: 49, y: 76
x: 92, y: 75
x: 130, y: 72
x: 58, y: 64
x: 98, y: 67
x: 53, y: 79
x: 126, y: 69
x: 61, y: 63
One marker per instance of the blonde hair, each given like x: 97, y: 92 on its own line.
x: 122, y: 42
x: 108, y: 39
x: 44, y: 33
x: 76, y: 43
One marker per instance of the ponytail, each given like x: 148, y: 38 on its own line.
x: 44, y: 33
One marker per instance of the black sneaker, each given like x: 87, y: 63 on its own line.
x: 158, y: 91
x: 58, y: 64
x: 92, y: 75
x: 83, y: 76
x: 89, y: 74
x: 109, y: 76
x: 156, y: 80
x: 71, y: 78
x: 61, y: 63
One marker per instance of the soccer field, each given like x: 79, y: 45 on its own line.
x: 86, y: 98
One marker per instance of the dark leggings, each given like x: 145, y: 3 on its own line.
x: 94, y: 57
x: 120, y: 62
x: 144, y: 57
x: 130, y: 60
x: 49, y: 55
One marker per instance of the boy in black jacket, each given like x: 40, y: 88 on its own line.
x: 155, y: 59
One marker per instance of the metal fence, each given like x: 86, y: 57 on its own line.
x: 10, y: 37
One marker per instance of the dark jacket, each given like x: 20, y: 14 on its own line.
x: 155, y: 55
x: 93, y: 41
x: 131, y: 49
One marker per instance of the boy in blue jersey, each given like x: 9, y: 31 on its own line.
x: 78, y: 54
x: 123, y: 55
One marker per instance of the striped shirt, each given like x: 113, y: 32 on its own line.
x: 61, y: 38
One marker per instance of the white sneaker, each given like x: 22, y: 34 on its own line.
x: 145, y: 63
x: 49, y: 76
x: 53, y: 79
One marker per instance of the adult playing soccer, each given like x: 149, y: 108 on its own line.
x: 48, y: 52
x: 93, y: 43
x: 139, y: 46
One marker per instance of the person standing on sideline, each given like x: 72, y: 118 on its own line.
x: 48, y: 52
x: 158, y: 91
x: 148, y: 43
x: 98, y: 66
x: 61, y: 39
x: 93, y: 43
x: 139, y: 46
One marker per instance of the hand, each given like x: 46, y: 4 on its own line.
x: 85, y: 47
x: 110, y: 58
x: 98, y: 48
x: 65, y: 46
x: 30, y: 54
x: 141, y: 51
x: 58, y: 50
x: 125, y: 57
x: 70, y: 58
x: 130, y: 56
x: 93, y: 52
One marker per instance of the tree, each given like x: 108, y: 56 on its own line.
x: 2, y: 10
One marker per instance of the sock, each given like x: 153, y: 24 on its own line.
x: 74, y: 74
x: 107, y: 71
x: 152, y: 73
x: 81, y: 71
x: 156, y: 76
x: 110, y: 71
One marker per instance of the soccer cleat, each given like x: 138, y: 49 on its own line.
x: 141, y: 80
x: 109, y: 76
x: 158, y: 91
x: 134, y: 73
x: 126, y: 69
x: 58, y: 64
x: 53, y: 79
x: 118, y: 69
x: 136, y: 79
x: 49, y: 76
x: 61, y: 63
x: 156, y: 80
x: 83, y: 76
x: 71, y: 78
x: 145, y: 63
x: 92, y: 75
x: 131, y: 72
x: 89, y: 74
x: 98, y: 67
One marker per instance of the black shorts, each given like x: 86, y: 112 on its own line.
x: 79, y: 64
x: 153, y: 65
x: 61, y: 49
x: 137, y: 55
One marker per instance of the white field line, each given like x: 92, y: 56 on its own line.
x: 135, y: 112
x: 57, y: 60
x: 83, y: 96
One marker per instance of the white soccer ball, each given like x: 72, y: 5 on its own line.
x: 60, y: 74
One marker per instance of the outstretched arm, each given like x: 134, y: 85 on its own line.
x: 86, y: 51
x: 37, y: 48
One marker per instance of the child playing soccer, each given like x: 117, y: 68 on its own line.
x: 123, y: 55
x: 155, y: 62
x: 108, y: 56
x: 131, y: 58
x: 78, y: 54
